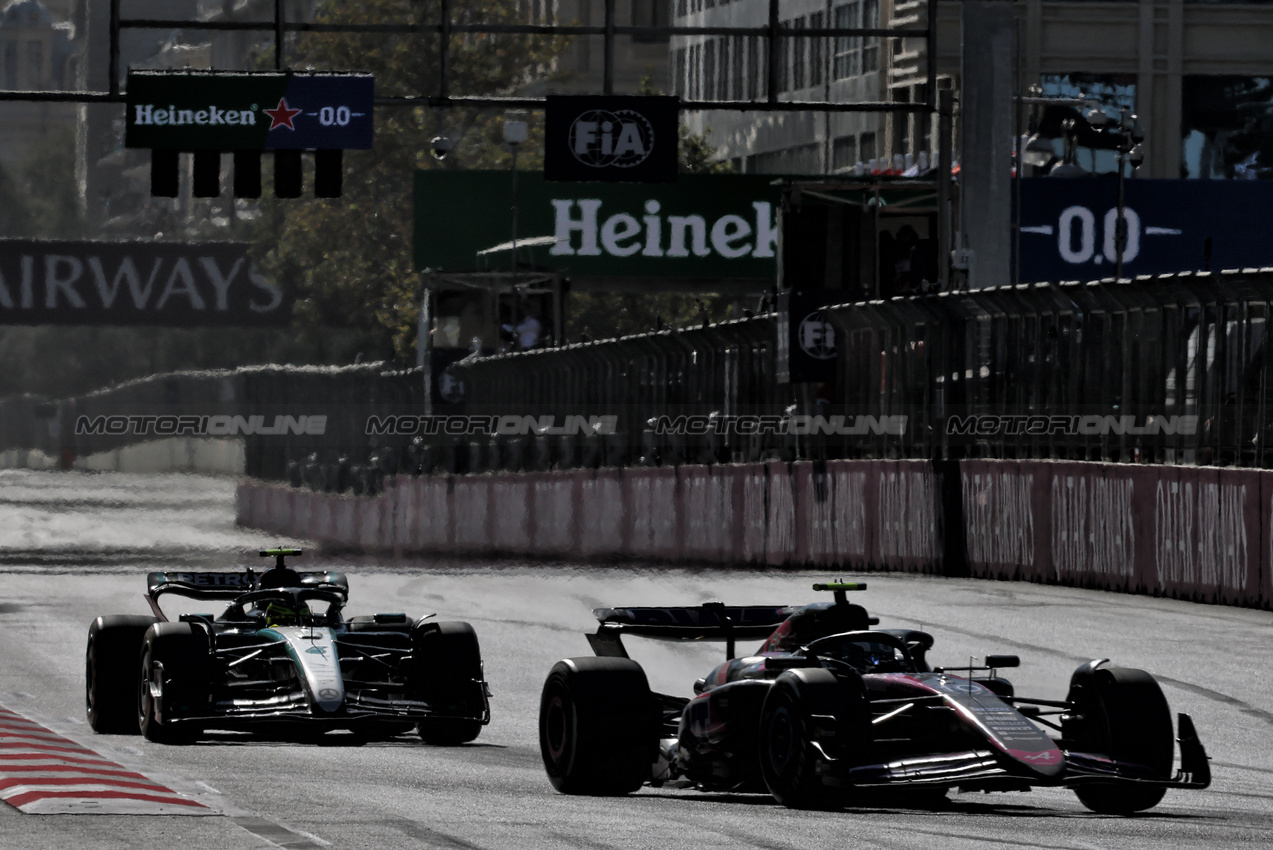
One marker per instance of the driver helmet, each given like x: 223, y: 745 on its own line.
x: 282, y: 614
x: 868, y: 656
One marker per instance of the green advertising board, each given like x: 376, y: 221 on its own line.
x: 703, y: 226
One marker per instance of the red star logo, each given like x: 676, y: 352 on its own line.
x: 282, y: 115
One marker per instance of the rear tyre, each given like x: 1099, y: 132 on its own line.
x: 598, y: 726
x: 448, y: 669
x: 1120, y: 713
x: 788, y: 759
x: 173, y: 682
x: 110, y: 672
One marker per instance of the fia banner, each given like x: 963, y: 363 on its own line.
x: 806, y: 338
x: 618, y: 139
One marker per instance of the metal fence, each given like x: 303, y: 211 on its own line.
x: 1168, y: 369
x: 1163, y: 369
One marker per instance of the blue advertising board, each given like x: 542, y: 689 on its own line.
x: 1067, y: 226
x: 237, y: 111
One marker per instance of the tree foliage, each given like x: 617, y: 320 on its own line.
x: 348, y: 260
x: 40, y: 198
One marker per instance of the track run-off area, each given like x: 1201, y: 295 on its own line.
x: 77, y: 545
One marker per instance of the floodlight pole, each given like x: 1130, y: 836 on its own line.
x: 113, y: 86
x: 513, y: 249
x: 1120, y: 223
x: 278, y: 35
x: 515, y: 132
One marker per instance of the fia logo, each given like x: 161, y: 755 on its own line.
x: 817, y: 337
x: 601, y: 139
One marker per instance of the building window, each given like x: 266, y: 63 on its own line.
x: 871, y: 44
x: 1113, y: 91
x: 867, y: 146
x: 539, y: 12
x: 800, y: 48
x: 691, y: 80
x: 758, y: 80
x: 816, y: 52
x: 709, y: 70
x: 901, y: 124
x: 650, y: 13
x: 786, y: 58
x: 848, y: 48
x: 35, y: 64
x: 923, y: 122
x: 11, y: 66
x: 844, y: 152
x: 1226, y: 127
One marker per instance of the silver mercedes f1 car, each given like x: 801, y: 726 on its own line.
x: 281, y: 657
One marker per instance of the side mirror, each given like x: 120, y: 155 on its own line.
x: 993, y: 661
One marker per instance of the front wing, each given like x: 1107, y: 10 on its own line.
x: 985, y: 769
x: 257, y: 682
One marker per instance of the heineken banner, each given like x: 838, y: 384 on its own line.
x: 215, y: 111
x: 176, y: 284
x: 702, y: 226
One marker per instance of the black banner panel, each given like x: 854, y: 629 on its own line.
x: 616, y: 139
x: 176, y: 284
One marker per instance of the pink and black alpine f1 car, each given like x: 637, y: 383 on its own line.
x: 828, y: 707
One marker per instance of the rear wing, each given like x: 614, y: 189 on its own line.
x: 710, y: 621
x: 227, y: 585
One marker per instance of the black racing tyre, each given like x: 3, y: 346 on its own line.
x: 174, y: 660
x: 448, y: 675
x: 598, y: 726
x: 788, y: 760
x: 110, y: 672
x: 1120, y: 713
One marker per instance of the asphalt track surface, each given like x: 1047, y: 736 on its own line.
x: 73, y: 546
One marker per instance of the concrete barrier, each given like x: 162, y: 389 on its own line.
x: 1197, y: 533
x: 174, y: 454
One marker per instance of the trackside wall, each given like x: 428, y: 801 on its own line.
x: 1199, y: 533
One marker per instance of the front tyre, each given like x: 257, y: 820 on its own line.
x: 1120, y: 713
x: 598, y: 726
x: 448, y: 669
x: 789, y: 727
x: 173, y: 680
x: 110, y: 672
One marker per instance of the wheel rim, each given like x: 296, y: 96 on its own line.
x: 555, y: 721
x: 144, y: 701
x: 88, y: 681
x: 781, y: 740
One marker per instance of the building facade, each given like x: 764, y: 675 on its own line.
x: 38, y: 51
x: 1197, y: 72
x: 640, y: 61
